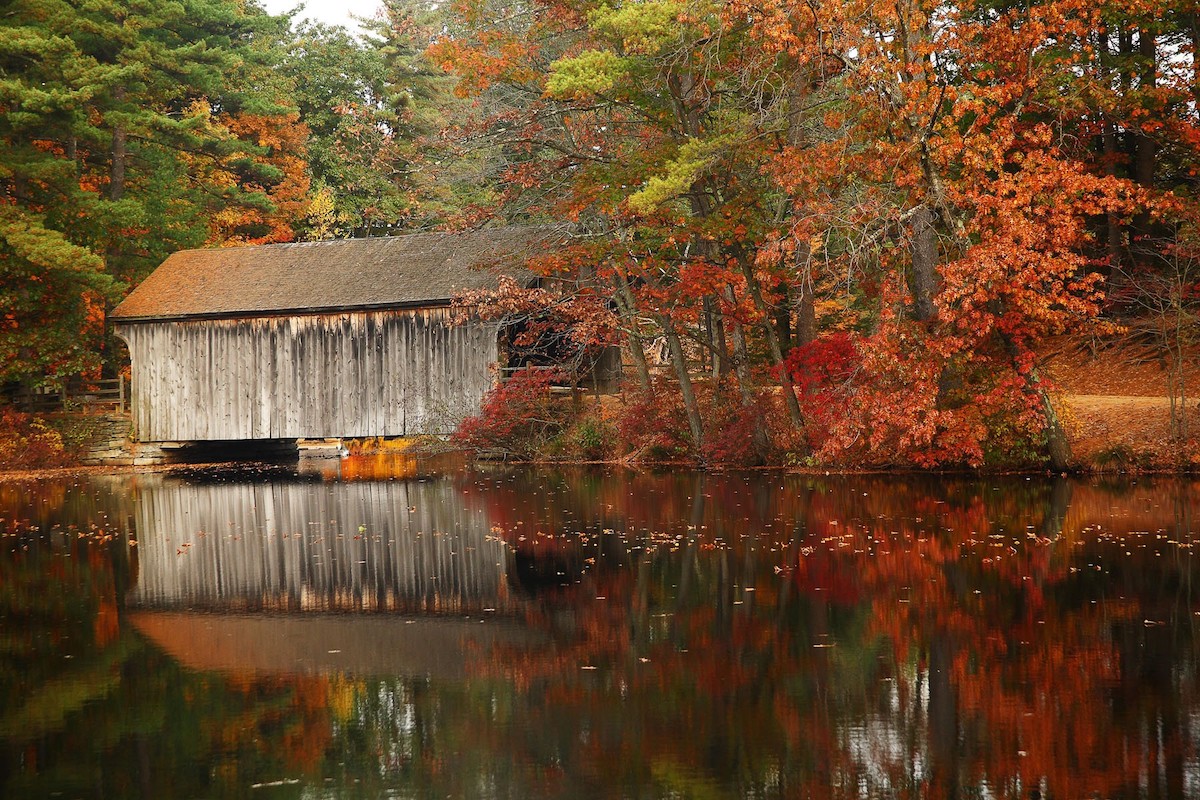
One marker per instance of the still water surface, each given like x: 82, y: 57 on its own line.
x: 390, y: 630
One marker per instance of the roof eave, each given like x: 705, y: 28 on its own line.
x: 118, y: 319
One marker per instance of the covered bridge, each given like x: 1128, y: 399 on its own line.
x: 347, y: 338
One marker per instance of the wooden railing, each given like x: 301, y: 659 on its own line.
x: 86, y: 395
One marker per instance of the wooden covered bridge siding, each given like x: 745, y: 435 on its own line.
x: 355, y: 374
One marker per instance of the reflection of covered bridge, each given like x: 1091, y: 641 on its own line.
x: 328, y: 339
x: 395, y: 546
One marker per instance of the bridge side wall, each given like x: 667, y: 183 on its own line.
x: 372, y: 373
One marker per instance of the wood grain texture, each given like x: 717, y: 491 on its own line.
x: 372, y: 373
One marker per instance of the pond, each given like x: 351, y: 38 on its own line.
x: 386, y: 628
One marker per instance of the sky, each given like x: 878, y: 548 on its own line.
x: 333, y: 12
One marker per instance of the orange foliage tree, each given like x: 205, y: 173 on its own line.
x: 279, y: 179
x: 750, y: 176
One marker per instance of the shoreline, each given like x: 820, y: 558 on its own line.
x: 26, y: 475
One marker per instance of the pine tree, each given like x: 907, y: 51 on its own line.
x: 113, y: 155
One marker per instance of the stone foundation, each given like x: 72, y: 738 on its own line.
x: 112, y: 445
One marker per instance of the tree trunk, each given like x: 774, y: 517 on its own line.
x: 1176, y: 348
x: 806, y: 316
x: 783, y: 317
x: 116, y: 175
x: 785, y: 378
x: 695, y: 426
x: 923, y: 277
x: 73, y: 155
x: 715, y: 331
x: 1114, y: 231
x: 741, y: 366
x: 627, y: 309
x: 1195, y: 32
x: 1057, y: 446
x: 741, y: 354
x: 1146, y: 148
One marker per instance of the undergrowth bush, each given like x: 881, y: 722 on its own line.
x: 654, y: 425
x: 821, y: 371
x: 29, y: 442
x: 76, y: 430
x: 517, y: 418
x: 592, y: 438
x: 887, y: 404
x: 736, y: 434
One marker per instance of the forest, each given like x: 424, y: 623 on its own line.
x: 848, y: 228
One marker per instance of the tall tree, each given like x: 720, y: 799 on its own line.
x: 353, y: 150
x: 110, y: 159
x: 645, y: 124
x: 915, y: 163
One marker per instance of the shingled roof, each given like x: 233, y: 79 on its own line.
x: 382, y: 272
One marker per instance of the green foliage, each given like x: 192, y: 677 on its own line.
x: 111, y: 158
x: 592, y: 438
x: 681, y: 173
x: 1010, y: 445
x: 646, y: 28
x: 52, y: 288
x: 375, y: 107
x: 590, y: 72
x: 77, y: 430
x: 340, y: 90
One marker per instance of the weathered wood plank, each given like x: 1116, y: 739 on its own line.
x: 379, y: 373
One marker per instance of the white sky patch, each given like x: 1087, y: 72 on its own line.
x: 331, y: 12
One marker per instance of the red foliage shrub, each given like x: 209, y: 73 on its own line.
x: 821, y: 371
x: 656, y: 424
x: 911, y: 399
x: 27, y: 442
x: 517, y: 417
x: 823, y: 363
x: 736, y: 434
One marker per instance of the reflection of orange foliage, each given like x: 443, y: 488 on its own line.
x: 51, y: 497
x: 963, y: 626
x: 301, y: 726
x: 107, y: 624
x: 387, y: 459
x: 378, y: 467
x: 305, y: 739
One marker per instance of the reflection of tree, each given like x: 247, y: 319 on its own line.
x: 921, y: 643
x: 59, y: 591
x: 955, y: 639
x: 89, y: 710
